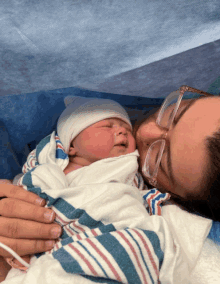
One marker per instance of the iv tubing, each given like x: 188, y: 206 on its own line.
x: 14, y: 254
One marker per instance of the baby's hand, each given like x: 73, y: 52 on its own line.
x: 16, y: 264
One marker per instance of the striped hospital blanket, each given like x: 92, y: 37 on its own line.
x: 108, y: 235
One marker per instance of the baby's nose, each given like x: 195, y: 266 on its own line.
x: 121, y: 130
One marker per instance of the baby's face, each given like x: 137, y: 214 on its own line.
x: 111, y: 137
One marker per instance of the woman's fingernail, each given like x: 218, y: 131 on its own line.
x: 56, y: 232
x: 39, y: 201
x: 49, y: 215
x: 49, y: 244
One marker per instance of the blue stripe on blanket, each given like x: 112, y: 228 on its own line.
x: 67, y: 209
x: 146, y: 266
x: 64, y: 235
x: 101, y: 280
x: 68, y: 263
x: 27, y: 180
x: 152, y: 236
x: 154, y: 202
x: 41, y: 145
x: 94, y: 258
x: 107, y: 228
x: 71, y: 213
x: 66, y: 241
x: 121, y: 256
x: 63, y: 206
x: 72, y: 266
x: 60, y: 154
x: 214, y: 233
x: 152, y: 191
x: 80, y: 214
x: 85, y: 219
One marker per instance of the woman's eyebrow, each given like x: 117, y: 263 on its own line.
x: 186, y: 108
x: 183, y: 111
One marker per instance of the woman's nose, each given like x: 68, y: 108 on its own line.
x: 150, y: 131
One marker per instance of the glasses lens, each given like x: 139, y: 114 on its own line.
x: 171, y: 105
x: 153, y: 158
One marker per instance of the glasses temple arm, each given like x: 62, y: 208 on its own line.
x: 190, y: 89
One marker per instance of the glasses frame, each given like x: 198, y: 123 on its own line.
x: 152, y: 179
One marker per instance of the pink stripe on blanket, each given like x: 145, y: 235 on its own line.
x: 74, y: 226
x: 135, y: 255
x: 61, y: 221
x: 117, y: 276
x: 94, y: 233
x: 91, y: 268
x: 148, y: 252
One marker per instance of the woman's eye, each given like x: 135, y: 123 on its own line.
x: 171, y: 113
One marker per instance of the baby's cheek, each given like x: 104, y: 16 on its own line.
x: 101, y: 145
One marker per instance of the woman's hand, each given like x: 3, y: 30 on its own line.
x: 25, y: 225
x: 4, y: 269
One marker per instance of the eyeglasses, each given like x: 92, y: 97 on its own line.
x: 165, y: 119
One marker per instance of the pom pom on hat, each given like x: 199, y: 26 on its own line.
x: 81, y: 112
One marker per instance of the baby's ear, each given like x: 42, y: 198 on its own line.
x: 72, y: 151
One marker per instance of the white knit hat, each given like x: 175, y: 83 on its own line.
x: 82, y: 112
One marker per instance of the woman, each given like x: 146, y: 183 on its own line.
x: 179, y: 148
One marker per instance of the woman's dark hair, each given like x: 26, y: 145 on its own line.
x: 208, y: 205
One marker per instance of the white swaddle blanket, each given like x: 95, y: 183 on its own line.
x: 108, y: 235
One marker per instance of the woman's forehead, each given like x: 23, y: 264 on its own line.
x: 188, y: 142
x: 204, y: 111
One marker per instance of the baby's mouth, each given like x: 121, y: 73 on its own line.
x: 121, y: 141
x: 122, y: 144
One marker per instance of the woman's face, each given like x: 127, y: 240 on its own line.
x: 185, y: 149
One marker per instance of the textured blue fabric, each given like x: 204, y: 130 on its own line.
x: 55, y: 44
x: 8, y: 161
x: 214, y: 233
